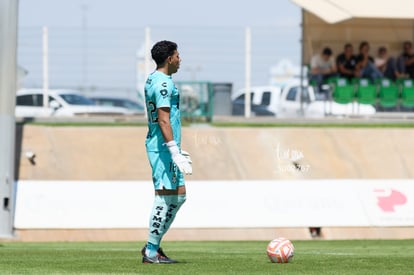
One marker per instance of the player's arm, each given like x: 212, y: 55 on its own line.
x: 183, y: 161
x: 334, y: 68
x: 164, y: 123
x: 409, y: 61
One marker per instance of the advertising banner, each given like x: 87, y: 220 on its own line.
x: 218, y: 204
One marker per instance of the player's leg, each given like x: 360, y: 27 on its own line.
x: 166, y: 205
x: 165, y: 208
x: 175, y: 199
x: 170, y: 194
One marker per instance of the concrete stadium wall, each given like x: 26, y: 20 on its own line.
x: 118, y: 153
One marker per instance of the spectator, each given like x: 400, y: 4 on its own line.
x: 346, y: 62
x: 365, y: 63
x: 322, y: 67
x: 385, y: 64
x: 405, y: 62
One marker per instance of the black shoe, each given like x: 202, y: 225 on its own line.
x: 157, y: 260
x: 159, y: 251
x: 160, y: 258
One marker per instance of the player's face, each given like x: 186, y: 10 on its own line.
x: 407, y: 47
x: 349, y: 51
x: 174, y: 61
x: 365, y: 49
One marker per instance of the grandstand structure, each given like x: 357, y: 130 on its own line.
x: 335, y: 23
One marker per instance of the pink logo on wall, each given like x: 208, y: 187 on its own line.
x: 389, y: 201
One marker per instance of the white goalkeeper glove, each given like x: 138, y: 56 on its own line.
x: 182, y: 160
x: 187, y: 156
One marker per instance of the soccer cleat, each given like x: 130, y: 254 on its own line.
x: 159, y: 251
x: 160, y: 258
x: 157, y: 260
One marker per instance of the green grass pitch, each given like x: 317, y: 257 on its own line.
x: 227, y: 257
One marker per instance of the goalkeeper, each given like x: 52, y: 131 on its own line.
x: 167, y: 161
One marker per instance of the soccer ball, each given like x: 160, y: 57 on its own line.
x: 280, y: 250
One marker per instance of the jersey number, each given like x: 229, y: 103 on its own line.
x: 152, y: 112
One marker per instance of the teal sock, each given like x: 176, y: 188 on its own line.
x: 151, y: 249
x: 174, y: 204
x: 157, y: 221
x: 163, y: 213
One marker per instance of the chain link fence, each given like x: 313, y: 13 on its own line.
x: 109, y: 60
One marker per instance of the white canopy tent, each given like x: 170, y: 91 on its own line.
x: 334, y: 11
x: 336, y: 22
x: 333, y: 23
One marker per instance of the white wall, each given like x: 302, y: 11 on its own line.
x: 218, y: 204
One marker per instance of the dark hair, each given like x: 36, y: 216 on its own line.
x: 327, y: 51
x: 382, y: 49
x: 348, y: 45
x: 363, y: 44
x: 162, y: 50
x: 409, y: 43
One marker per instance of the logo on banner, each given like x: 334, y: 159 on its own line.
x: 388, y: 202
x: 288, y: 160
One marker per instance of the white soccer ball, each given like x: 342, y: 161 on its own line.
x: 280, y: 250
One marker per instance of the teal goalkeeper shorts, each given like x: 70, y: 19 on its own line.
x: 165, y: 174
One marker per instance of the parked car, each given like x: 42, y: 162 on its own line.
x: 129, y: 104
x: 287, y: 101
x: 29, y: 103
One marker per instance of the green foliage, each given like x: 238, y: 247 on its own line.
x: 230, y: 257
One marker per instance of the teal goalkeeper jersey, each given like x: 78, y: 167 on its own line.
x: 160, y: 91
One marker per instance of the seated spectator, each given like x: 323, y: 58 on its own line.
x: 322, y: 67
x: 405, y: 62
x: 346, y: 62
x: 385, y: 64
x: 365, y: 63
